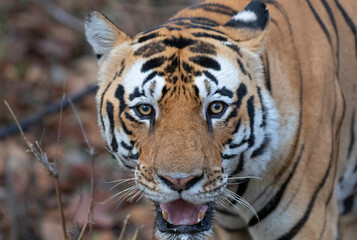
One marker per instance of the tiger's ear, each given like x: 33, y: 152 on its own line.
x: 249, y: 27
x: 102, y: 34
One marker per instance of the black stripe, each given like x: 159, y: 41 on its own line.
x: 110, y: 113
x: 192, y: 26
x: 241, y: 66
x: 251, y: 114
x: 274, y: 201
x: 234, y: 48
x: 216, y: 8
x: 208, y: 35
x: 119, y: 73
x: 228, y: 156
x: 119, y: 94
x: 137, y: 93
x: 126, y: 146
x: 352, y: 135
x: 204, y: 48
x: 150, y: 49
x: 101, y: 104
x: 231, y: 146
x: 210, y: 77
x: 195, y: 20
x: 131, y: 118
x: 349, y: 22
x: 322, y: 25
x: 179, y: 43
x: 242, y: 187
x: 282, y: 11
x: 264, y: 110
x: 294, y: 230
x: 148, y: 78
x: 232, y: 114
x: 333, y: 21
x: 241, y: 92
x: 348, y: 204
x: 206, y: 62
x: 147, y: 37
x: 187, y: 67
x: 226, y: 212
x: 225, y: 92
x: 153, y: 63
x: 235, y: 130
x: 267, y: 73
x: 240, y: 165
x: 260, y: 150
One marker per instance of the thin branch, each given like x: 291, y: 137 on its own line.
x: 49, y: 110
x: 122, y: 232
x: 61, y: 15
x: 52, y: 167
x: 92, y: 154
x: 147, y: 9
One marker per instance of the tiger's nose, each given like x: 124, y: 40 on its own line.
x: 180, y: 184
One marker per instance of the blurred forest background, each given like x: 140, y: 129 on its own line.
x: 43, y: 51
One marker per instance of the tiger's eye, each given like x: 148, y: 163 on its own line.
x: 216, y: 107
x: 145, y: 109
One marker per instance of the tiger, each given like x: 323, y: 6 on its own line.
x: 237, y: 117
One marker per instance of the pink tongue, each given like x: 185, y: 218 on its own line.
x: 181, y: 212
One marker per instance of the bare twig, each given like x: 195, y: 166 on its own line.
x: 49, y: 110
x: 92, y: 154
x: 61, y: 15
x: 122, y: 232
x: 130, y: 7
x: 136, y: 234
x: 52, y: 167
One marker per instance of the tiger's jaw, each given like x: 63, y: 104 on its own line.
x: 182, y: 217
x: 184, y: 207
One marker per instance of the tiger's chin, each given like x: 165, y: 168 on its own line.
x: 181, y: 219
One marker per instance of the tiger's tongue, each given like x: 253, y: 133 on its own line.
x: 180, y: 212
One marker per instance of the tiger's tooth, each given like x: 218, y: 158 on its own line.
x: 165, y: 215
x: 202, y: 215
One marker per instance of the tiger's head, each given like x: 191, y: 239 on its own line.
x: 185, y: 106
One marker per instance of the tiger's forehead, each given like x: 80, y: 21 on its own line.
x: 157, y: 62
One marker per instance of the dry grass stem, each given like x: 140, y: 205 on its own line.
x: 52, y: 168
x: 122, y: 232
x: 91, y: 152
x: 136, y: 234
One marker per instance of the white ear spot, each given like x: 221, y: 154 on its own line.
x: 99, y: 32
x: 245, y: 16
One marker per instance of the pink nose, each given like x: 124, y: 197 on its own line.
x: 180, y: 184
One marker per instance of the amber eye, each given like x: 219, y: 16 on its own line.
x: 216, y: 108
x: 144, y: 109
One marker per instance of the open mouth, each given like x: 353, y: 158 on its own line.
x: 181, y: 217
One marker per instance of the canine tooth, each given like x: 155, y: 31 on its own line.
x: 202, y: 215
x: 165, y: 215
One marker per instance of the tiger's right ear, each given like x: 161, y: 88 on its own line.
x: 249, y: 27
x: 102, y: 34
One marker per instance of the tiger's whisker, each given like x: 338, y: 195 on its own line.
x: 242, y: 201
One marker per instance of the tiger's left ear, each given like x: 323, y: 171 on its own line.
x: 250, y: 26
x: 102, y: 34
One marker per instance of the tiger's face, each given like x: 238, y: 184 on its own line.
x: 185, y: 108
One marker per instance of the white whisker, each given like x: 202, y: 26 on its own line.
x: 117, y: 194
x: 246, y: 177
x: 116, y: 185
x: 241, y: 201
